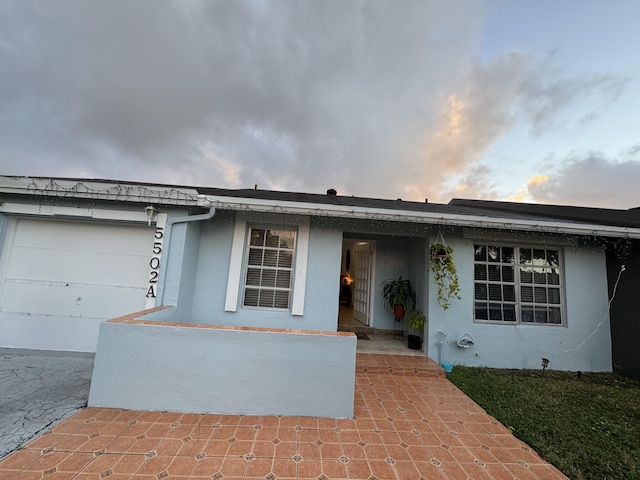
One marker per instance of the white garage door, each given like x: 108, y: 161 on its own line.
x: 60, y: 279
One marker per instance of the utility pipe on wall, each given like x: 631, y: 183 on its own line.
x: 441, y: 337
x: 168, y: 232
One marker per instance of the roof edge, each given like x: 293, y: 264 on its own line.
x: 106, y: 190
x: 462, y: 220
x: 602, y: 216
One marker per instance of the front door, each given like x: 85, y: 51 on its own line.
x: 362, y: 282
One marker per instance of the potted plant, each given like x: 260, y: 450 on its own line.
x: 416, y: 321
x: 398, y: 296
x: 444, y: 273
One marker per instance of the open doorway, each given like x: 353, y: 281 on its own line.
x: 356, y: 272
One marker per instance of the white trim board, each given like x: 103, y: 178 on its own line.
x: 70, y: 212
x: 235, y: 263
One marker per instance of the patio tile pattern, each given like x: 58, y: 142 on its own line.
x: 410, y: 423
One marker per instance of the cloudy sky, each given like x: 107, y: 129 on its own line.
x: 534, y: 101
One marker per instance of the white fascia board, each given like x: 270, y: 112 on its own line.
x: 96, y: 190
x: 73, y: 212
x: 407, y: 216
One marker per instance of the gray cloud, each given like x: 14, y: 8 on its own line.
x: 591, y: 179
x: 515, y: 88
x: 476, y: 183
x: 302, y: 95
x: 362, y: 96
x: 548, y: 94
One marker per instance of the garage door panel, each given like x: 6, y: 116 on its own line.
x: 57, y: 275
x: 84, y: 236
x: 75, y: 301
x: 37, y: 264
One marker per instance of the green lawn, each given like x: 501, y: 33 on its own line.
x: 588, y: 427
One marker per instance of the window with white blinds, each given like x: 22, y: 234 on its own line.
x: 269, y: 268
x: 517, y: 285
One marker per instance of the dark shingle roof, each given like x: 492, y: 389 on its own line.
x: 364, y: 202
x: 472, y: 209
x: 598, y: 216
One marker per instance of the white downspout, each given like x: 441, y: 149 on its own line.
x: 168, y: 232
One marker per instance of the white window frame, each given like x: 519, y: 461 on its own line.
x: 235, y: 281
x: 262, y: 268
x: 518, y: 283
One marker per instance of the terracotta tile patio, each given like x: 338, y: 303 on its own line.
x: 410, y: 423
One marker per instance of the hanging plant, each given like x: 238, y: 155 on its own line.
x: 445, y: 274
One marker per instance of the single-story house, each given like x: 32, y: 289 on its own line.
x: 532, y: 284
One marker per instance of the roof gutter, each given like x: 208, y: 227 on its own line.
x: 364, y: 213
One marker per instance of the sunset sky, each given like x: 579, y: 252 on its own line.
x: 535, y: 101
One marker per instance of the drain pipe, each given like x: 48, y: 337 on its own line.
x: 168, y: 232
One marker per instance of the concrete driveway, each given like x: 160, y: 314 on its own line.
x: 39, y: 389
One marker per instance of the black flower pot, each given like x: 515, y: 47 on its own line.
x: 415, y: 342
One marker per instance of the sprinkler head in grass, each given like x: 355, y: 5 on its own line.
x: 545, y: 364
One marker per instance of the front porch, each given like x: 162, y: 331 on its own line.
x: 224, y: 368
x: 410, y: 422
x: 368, y: 261
x: 373, y: 340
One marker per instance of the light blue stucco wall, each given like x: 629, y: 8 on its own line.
x: 211, y: 273
x: 199, y: 262
x: 419, y: 269
x: 181, y: 245
x: 582, y: 344
x: 419, y: 274
x: 209, y: 370
x: 321, y: 303
x: 190, y: 234
x: 211, y: 277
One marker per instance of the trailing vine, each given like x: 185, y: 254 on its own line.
x: 444, y: 274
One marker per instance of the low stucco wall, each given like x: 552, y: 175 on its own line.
x: 154, y: 365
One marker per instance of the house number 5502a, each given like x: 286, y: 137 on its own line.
x: 154, y: 263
